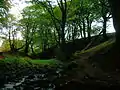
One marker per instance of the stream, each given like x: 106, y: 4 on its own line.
x: 54, y: 79
x: 42, y: 79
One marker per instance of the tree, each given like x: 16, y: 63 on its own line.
x: 10, y: 31
x: 6, y: 45
x: 59, y: 23
x: 4, y: 8
x: 105, y: 14
x: 84, y: 15
x: 28, y: 27
x: 116, y: 19
x: 45, y: 23
x: 37, y: 29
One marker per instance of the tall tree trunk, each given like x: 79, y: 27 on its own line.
x: 88, y: 28
x: 26, y: 47
x: 81, y: 31
x: 32, y: 48
x: 115, y: 5
x: 73, y: 33
x: 63, y: 27
x: 84, y: 33
x: 104, y: 27
x: 63, y: 7
x: 10, y: 43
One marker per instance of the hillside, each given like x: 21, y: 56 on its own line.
x: 72, y: 46
x: 94, y: 69
x: 100, y: 54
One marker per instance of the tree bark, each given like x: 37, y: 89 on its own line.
x: 115, y: 5
x: 26, y: 48
x: 88, y: 28
x: 104, y: 27
x: 81, y: 31
x: 64, y: 16
x: 84, y: 33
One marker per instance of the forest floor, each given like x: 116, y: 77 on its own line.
x: 97, y: 68
x: 92, y: 69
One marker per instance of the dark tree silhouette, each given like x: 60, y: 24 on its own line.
x: 115, y: 5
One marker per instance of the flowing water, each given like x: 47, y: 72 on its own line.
x: 38, y: 80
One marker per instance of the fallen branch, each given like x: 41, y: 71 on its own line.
x: 91, y: 42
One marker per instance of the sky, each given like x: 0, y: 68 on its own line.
x: 17, y: 6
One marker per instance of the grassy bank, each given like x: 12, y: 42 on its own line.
x: 10, y: 65
x: 26, y: 60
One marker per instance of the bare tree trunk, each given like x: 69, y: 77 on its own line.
x: 115, y: 5
x: 81, y: 31
x: 84, y: 32
x: 104, y: 27
x: 27, y: 40
x: 63, y: 7
x: 88, y: 28
x: 26, y: 48
x: 32, y: 49
x: 10, y: 42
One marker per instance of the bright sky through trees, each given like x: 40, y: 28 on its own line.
x: 18, y: 5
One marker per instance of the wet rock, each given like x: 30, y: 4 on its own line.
x: 31, y: 77
x: 28, y: 88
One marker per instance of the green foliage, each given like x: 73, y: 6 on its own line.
x: 57, y: 12
x: 44, y: 24
x: 6, y: 45
x: 35, y: 32
x: 4, y: 8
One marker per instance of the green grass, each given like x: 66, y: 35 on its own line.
x: 45, y: 62
x: 27, y: 61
